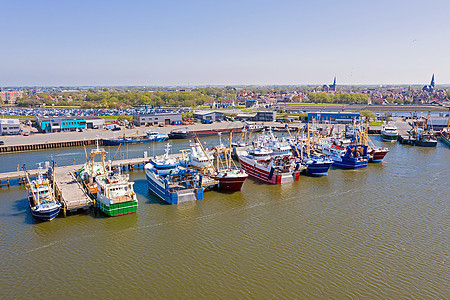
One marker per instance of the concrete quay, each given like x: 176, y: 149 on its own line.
x: 41, y: 141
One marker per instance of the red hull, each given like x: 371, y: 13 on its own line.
x: 231, y: 183
x: 264, y: 175
x: 377, y: 155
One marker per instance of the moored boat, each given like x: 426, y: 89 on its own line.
x: 316, y: 164
x: 188, y: 134
x: 376, y: 154
x: 349, y: 157
x: 423, y: 138
x: 41, y: 198
x: 171, y: 182
x: 445, y: 132
x: 260, y: 164
x: 114, y: 194
x: 229, y: 176
x: 389, y: 133
x: 445, y: 136
x: 277, y: 146
x: 150, y: 137
x: 198, y: 156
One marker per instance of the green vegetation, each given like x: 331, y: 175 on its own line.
x: 368, y: 114
x: 230, y: 115
x: 21, y: 118
x: 314, y: 104
x: 114, y: 99
x: 338, y: 98
x: 188, y: 115
x: 375, y: 123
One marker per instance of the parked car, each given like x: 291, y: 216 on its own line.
x: 2, y: 142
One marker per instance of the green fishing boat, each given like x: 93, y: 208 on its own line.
x: 113, y: 192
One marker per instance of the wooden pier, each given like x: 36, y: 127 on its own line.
x: 68, y: 190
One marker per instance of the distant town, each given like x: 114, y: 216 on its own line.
x: 222, y: 97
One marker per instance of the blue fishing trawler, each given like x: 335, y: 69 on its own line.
x: 171, y: 182
x: 349, y: 157
x: 316, y: 165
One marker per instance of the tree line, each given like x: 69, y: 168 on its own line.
x: 114, y: 99
x: 338, y: 98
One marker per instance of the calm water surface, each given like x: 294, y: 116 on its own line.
x: 378, y: 232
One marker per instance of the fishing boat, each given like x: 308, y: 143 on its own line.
x: 171, y: 182
x: 261, y: 164
x: 254, y: 127
x: 445, y: 132
x: 445, y: 136
x: 316, y: 164
x: 198, y: 156
x: 41, y: 198
x: 376, y: 154
x: 278, y: 147
x: 188, y: 134
x: 422, y: 136
x: 225, y: 171
x: 389, y: 133
x: 150, y: 137
x: 349, y: 157
x: 114, y: 194
x: 229, y: 176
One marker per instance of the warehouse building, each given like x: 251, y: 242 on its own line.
x: 9, y: 126
x: 209, y: 116
x: 94, y: 122
x: 266, y: 116
x: 158, y: 119
x: 333, y: 117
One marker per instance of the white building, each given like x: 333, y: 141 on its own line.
x: 9, y: 126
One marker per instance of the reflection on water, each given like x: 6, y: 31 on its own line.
x: 378, y: 232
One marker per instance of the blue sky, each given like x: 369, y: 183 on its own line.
x: 223, y: 42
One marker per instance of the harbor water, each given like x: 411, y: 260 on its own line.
x: 376, y: 232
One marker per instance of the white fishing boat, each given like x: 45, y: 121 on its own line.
x: 389, y: 133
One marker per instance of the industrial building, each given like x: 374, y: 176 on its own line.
x: 209, y: 116
x: 246, y: 117
x: 61, y: 124
x: 333, y: 117
x: 158, y: 119
x: 266, y: 116
x: 9, y: 126
x: 94, y: 122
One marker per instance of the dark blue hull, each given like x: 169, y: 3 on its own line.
x: 48, y: 215
x: 117, y: 142
x: 350, y: 164
x: 317, y: 168
x: 425, y: 143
